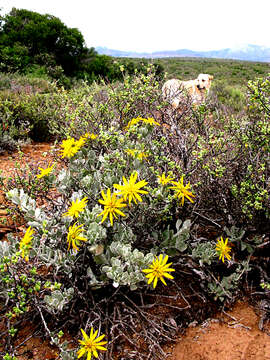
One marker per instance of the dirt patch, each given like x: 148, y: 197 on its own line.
x: 13, y: 164
x: 232, y: 335
x: 30, y: 153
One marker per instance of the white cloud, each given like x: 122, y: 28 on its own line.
x: 151, y: 25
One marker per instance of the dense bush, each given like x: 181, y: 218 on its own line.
x: 40, y: 109
x: 24, y: 108
x: 231, y: 99
x: 26, y: 34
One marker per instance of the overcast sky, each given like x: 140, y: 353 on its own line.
x: 152, y: 25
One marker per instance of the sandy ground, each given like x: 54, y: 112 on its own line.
x: 232, y: 335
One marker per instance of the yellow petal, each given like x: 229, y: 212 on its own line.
x: 162, y: 279
x: 84, y: 335
x: 119, y: 212
x: 100, y: 338
x: 102, y: 347
x: 105, y: 216
x: 147, y: 270
x: 138, y: 196
x: 164, y: 260
x: 81, y: 352
x: 169, y: 270
x: 169, y: 276
x: 94, y: 335
x: 95, y: 353
x: 111, y: 219
x: 155, y: 282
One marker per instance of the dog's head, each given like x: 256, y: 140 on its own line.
x: 203, y: 81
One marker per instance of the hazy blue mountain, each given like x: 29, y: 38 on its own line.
x: 246, y: 52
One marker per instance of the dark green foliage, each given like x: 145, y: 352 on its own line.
x: 26, y: 34
x: 103, y: 67
x: 42, y: 44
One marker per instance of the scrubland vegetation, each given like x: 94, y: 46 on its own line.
x: 141, y: 203
x: 230, y: 72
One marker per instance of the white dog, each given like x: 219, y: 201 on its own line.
x: 197, y: 90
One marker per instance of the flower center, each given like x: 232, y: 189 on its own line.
x: 158, y: 272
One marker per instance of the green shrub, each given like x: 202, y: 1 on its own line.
x: 253, y: 189
x: 29, y: 84
x: 26, y: 115
x: 232, y: 98
x: 219, y: 148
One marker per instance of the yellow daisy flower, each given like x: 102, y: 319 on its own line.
x: 134, y: 121
x: 91, y: 136
x: 91, y: 344
x: 76, y: 207
x: 164, y: 180
x: 74, y: 238
x: 26, y: 243
x: 79, y: 143
x: 182, y: 191
x: 158, y: 270
x: 130, y: 189
x: 223, y: 249
x: 142, y: 155
x: 111, y: 206
x: 150, y: 121
x: 131, y: 152
x: 70, y: 148
x: 45, y: 172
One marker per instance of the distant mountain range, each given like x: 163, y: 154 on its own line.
x: 248, y: 52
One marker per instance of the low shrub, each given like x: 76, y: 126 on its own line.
x: 23, y: 109
x: 231, y: 99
